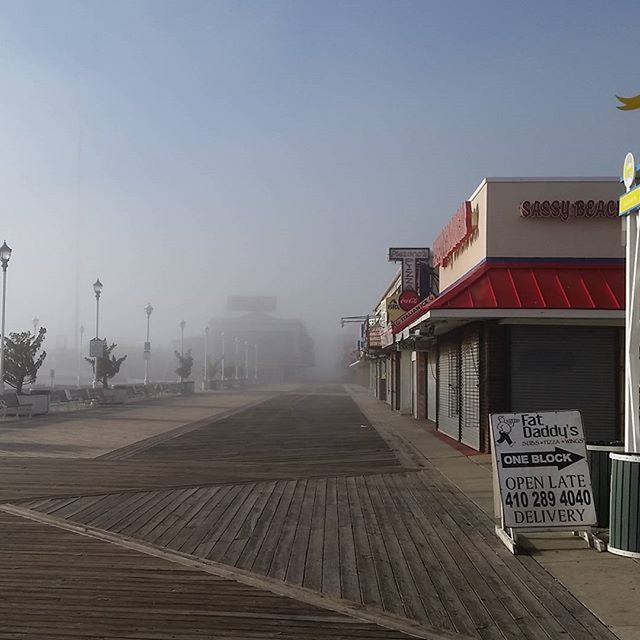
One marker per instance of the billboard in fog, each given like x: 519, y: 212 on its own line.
x: 252, y: 304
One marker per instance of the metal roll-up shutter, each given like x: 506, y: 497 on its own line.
x: 470, y: 389
x: 431, y: 386
x: 555, y: 368
x: 449, y: 389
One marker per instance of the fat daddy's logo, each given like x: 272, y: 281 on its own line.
x: 565, y: 209
x: 535, y: 431
x: 504, y: 427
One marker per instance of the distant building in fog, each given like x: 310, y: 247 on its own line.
x: 285, y: 349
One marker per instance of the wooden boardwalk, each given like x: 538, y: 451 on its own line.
x: 58, y: 585
x: 301, y: 490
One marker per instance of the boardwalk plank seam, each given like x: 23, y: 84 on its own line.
x: 276, y: 587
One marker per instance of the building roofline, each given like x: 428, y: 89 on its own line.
x: 574, y: 179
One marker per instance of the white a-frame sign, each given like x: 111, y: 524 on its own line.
x: 541, y: 474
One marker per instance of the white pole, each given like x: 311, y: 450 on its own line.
x: 4, y: 298
x: 79, y: 356
x: 246, y: 361
x: 182, y: 326
x: 632, y: 341
x: 222, y: 359
x: 236, y: 359
x: 205, y: 382
x: 95, y: 372
x: 255, y: 364
x: 148, y: 310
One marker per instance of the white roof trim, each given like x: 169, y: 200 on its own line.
x: 556, y: 179
x: 524, y: 314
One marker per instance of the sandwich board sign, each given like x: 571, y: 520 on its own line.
x: 541, y: 472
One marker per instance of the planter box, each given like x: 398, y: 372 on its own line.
x: 600, y: 471
x: 114, y: 396
x: 187, y: 387
x: 624, y: 525
x: 39, y: 403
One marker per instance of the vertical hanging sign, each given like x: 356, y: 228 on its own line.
x: 410, y: 258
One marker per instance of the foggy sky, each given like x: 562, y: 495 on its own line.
x: 206, y: 149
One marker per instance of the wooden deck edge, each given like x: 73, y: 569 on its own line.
x: 360, y: 612
x: 152, y: 441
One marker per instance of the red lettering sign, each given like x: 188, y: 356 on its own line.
x: 453, y: 236
x: 565, y: 209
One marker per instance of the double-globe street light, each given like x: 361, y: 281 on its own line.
x: 147, y: 345
x: 97, y: 288
x: 5, y: 254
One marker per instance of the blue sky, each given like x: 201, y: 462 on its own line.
x: 279, y: 147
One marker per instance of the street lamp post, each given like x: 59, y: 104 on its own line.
x: 97, y: 288
x: 5, y: 254
x: 80, y: 356
x: 35, y: 323
x: 147, y: 345
x: 205, y: 382
x: 182, y: 325
x: 246, y: 361
x: 255, y: 363
x: 236, y: 359
x: 222, y: 358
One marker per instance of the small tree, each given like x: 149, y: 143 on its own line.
x: 108, y: 365
x: 185, y: 364
x: 21, y: 358
x: 212, y: 369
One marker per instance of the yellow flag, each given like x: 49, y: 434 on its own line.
x: 629, y: 104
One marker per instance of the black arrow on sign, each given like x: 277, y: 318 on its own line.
x: 559, y: 458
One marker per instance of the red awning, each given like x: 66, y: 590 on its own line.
x: 532, y: 285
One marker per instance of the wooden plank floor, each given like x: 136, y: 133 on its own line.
x: 295, y: 428
x: 301, y: 489
x: 291, y: 436
x: 408, y: 543
x: 57, y: 584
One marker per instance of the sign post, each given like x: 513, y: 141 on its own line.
x: 629, y: 203
x: 542, y: 474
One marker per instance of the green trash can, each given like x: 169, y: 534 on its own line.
x: 624, y: 520
x: 600, y: 471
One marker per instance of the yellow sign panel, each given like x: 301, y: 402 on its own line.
x: 629, y: 171
x: 393, y: 308
x: 629, y: 201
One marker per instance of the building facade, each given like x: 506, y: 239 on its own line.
x: 529, y: 316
